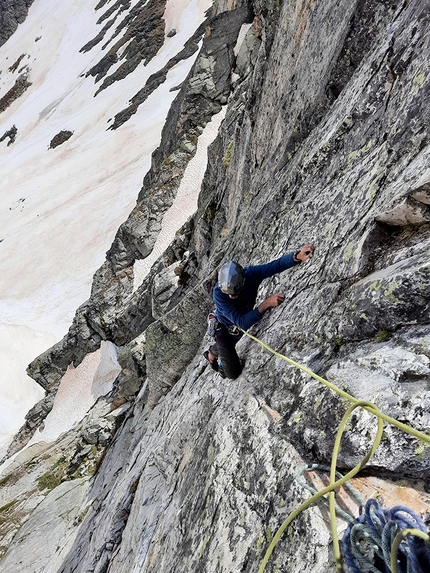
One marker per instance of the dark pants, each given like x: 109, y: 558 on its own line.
x: 224, y: 349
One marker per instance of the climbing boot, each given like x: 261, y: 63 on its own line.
x: 221, y: 370
x: 214, y: 364
x: 213, y: 324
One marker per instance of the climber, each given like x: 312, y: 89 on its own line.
x: 234, y: 295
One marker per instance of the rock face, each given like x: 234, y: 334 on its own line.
x: 144, y: 35
x: 325, y: 139
x: 12, y: 13
x: 21, y: 84
x: 60, y: 138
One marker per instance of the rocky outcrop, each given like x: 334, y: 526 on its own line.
x: 11, y: 134
x: 392, y: 372
x: 60, y: 138
x: 324, y: 140
x: 173, y: 340
x: 142, y: 38
x: 22, y: 84
x: 114, y: 312
x: 12, y: 13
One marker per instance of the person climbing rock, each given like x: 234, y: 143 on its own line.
x: 235, y: 295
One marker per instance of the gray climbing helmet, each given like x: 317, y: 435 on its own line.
x: 231, y: 278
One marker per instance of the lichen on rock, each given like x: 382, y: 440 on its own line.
x: 326, y: 120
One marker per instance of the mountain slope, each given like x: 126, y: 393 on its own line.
x: 325, y: 140
x: 51, y: 242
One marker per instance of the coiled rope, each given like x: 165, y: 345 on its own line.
x: 375, y: 538
x: 336, y: 483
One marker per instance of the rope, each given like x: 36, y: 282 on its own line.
x: 372, y: 542
x: 398, y: 539
x: 354, y: 493
x: 392, y: 421
x: 336, y: 483
x: 333, y: 485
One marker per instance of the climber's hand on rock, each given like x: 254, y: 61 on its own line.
x: 274, y: 300
x: 305, y: 253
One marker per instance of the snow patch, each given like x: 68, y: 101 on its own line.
x: 18, y: 345
x: 73, y: 198
x: 79, y: 389
x: 184, y: 17
x: 185, y: 203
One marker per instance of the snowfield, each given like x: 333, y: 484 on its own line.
x: 60, y: 208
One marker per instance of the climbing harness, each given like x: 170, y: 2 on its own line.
x: 214, y: 325
x: 413, y: 528
x: 234, y: 330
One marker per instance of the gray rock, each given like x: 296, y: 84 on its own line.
x: 409, y: 212
x: 164, y: 285
x: 171, y: 342
x: 12, y: 13
x: 11, y: 134
x: 398, y: 382
x: 46, y: 537
x: 133, y: 369
x: 188, y: 147
x: 92, y: 434
x: 144, y: 22
x: 328, y: 129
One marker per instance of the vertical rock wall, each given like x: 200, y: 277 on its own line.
x: 324, y: 140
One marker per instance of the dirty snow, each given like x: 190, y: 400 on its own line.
x: 80, y: 387
x: 186, y: 200
x: 60, y: 208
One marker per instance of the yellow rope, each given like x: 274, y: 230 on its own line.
x: 370, y: 407
x: 398, y: 539
x: 392, y: 421
x: 336, y: 448
x: 332, y: 486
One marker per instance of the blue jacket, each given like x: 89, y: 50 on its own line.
x: 240, y: 311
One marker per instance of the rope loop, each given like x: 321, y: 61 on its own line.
x: 376, y: 537
x: 387, y: 541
